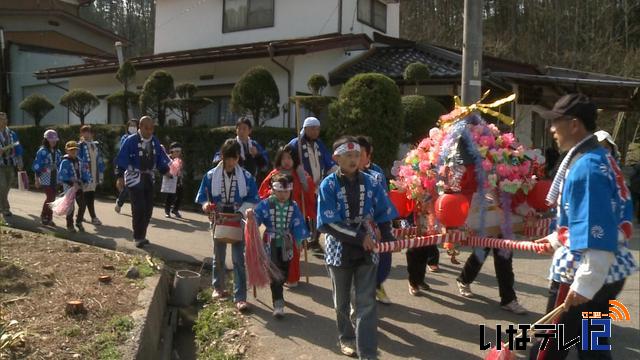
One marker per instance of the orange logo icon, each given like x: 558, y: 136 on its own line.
x: 618, y: 312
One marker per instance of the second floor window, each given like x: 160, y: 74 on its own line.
x: 373, y: 13
x: 247, y: 14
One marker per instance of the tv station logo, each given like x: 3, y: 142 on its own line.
x: 595, y: 326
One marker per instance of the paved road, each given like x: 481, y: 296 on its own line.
x: 438, y: 325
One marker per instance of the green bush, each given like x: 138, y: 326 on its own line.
x: 256, y: 93
x: 80, y: 102
x: 156, y: 91
x: 316, y: 84
x: 199, y: 144
x: 370, y: 104
x: 415, y: 73
x: 421, y: 113
x: 36, y: 105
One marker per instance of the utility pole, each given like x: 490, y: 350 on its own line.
x: 472, y: 52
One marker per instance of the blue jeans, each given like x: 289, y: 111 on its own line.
x: 364, y: 281
x: 239, y: 274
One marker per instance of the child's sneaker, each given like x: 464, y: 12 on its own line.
x: 71, y: 229
x: 118, y: 208
x: 96, y: 221
x: 278, y: 309
x: 167, y: 214
x: 292, y: 285
x: 242, y: 306
x: 80, y: 227
x: 219, y: 294
x: 177, y: 214
x: 382, y: 296
x: 515, y: 308
x: 348, y: 348
x: 464, y: 289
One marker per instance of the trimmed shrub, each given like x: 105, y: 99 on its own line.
x: 370, y: 104
x: 316, y: 84
x: 37, y: 106
x: 199, y: 144
x: 256, y: 93
x: 156, y: 91
x: 415, y: 73
x: 421, y: 113
x: 80, y: 102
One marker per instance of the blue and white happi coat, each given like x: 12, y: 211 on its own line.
x: 44, y: 164
x: 84, y: 155
x: 129, y: 159
x: 594, y: 212
x: 292, y: 224
x: 72, y: 172
x: 239, y: 198
x: 333, y: 210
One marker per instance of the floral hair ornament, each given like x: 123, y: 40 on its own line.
x: 460, y: 112
x: 346, y: 147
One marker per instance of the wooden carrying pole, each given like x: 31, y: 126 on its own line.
x: 304, y: 210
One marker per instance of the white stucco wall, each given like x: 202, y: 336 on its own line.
x: 195, y: 24
x: 523, y: 130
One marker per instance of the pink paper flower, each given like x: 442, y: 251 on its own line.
x: 487, y: 141
x: 503, y: 170
x: 487, y: 165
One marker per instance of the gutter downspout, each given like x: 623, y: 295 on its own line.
x: 271, y: 51
x: 339, y: 16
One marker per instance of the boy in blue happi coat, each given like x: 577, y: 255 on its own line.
x: 73, y: 174
x: 284, y: 224
x: 354, y: 213
x: 230, y: 189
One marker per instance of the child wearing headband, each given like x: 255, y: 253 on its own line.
x: 284, y: 225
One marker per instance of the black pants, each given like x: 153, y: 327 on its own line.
x: 88, y: 203
x: 122, y: 196
x: 141, y: 206
x: 172, y: 203
x: 417, y: 260
x: 80, y: 202
x: 504, y: 272
x: 635, y: 198
x: 572, y: 321
x: 277, y: 292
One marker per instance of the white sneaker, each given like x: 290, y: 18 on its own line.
x: 117, y: 208
x: 292, y: 285
x: 278, y: 309
x: 464, y: 289
x: 515, y: 308
x: 96, y: 221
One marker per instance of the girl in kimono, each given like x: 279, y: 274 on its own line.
x: 303, y: 192
x: 45, y: 166
x: 91, y: 157
x: 73, y: 174
x: 229, y: 189
x: 285, y: 227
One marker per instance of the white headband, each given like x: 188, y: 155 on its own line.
x: 346, y: 147
x: 277, y: 186
x: 175, y: 149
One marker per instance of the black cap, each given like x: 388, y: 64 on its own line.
x: 175, y: 145
x: 575, y: 105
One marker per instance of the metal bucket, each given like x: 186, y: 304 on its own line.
x: 185, y: 287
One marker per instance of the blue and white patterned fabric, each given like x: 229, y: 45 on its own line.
x: 374, y: 207
x: 69, y: 170
x: 594, y: 212
x: 295, y: 224
x: 377, y: 172
x: 205, y: 193
x: 128, y: 160
x: 13, y: 156
x: 44, y: 164
x: 83, y: 154
x: 324, y: 156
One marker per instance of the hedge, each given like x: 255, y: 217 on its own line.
x: 198, y: 145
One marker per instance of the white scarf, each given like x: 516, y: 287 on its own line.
x: 249, y: 142
x: 216, y: 181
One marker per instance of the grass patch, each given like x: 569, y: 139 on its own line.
x: 213, y: 322
x: 105, y: 344
x: 71, y: 331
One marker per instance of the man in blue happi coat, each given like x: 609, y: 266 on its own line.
x: 355, y: 213
x: 591, y: 259
x: 315, y: 159
x: 140, y: 155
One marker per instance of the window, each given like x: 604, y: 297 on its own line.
x: 373, y: 13
x: 216, y: 114
x: 247, y: 14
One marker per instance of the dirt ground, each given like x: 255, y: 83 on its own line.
x: 39, y: 274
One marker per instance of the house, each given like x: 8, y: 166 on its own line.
x: 38, y: 34
x: 212, y: 43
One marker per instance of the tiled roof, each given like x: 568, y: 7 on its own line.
x: 216, y: 54
x: 392, y: 61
